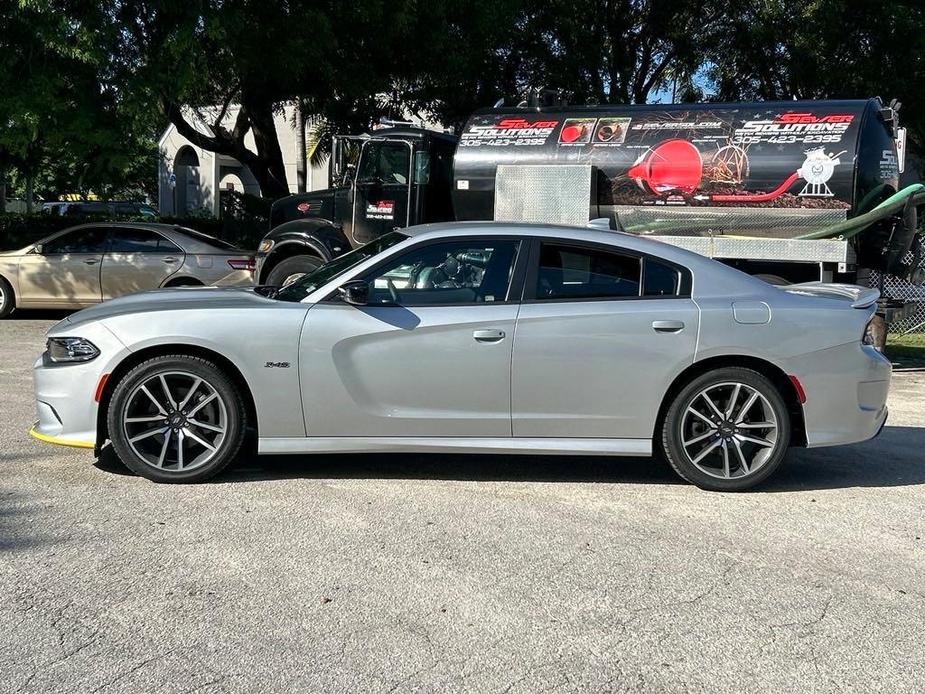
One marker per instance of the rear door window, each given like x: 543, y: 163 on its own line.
x: 576, y: 272
x: 140, y: 241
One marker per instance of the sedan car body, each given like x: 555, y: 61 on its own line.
x: 90, y: 263
x: 475, y: 337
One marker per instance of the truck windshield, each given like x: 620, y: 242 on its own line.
x: 308, y: 283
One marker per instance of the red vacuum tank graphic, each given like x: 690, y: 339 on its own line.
x: 674, y: 165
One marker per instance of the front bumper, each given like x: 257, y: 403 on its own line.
x: 65, y: 394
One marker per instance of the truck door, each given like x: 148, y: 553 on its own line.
x: 383, y: 187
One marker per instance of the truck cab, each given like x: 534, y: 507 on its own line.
x: 391, y: 178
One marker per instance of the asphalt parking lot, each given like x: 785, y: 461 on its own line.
x: 451, y: 573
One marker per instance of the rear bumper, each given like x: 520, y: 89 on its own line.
x: 846, y: 392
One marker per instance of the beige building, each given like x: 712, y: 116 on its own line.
x: 190, y: 178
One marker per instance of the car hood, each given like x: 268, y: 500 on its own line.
x: 177, y: 299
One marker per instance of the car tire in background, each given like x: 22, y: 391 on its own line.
x: 7, y: 298
x: 291, y: 269
x: 726, y: 430
x: 176, y: 418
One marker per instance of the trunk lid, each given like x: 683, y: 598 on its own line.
x: 857, y: 296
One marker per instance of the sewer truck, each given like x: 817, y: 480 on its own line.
x: 791, y: 191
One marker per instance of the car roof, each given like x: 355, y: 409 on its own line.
x: 190, y: 240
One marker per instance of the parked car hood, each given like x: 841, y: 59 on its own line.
x: 176, y: 299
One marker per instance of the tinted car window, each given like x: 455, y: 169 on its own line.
x: 660, y: 279
x: 91, y: 240
x: 140, y: 241
x: 572, y: 272
x: 454, y: 272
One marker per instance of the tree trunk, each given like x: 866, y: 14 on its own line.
x: 300, y: 155
x: 29, y: 184
x: 2, y: 190
x: 271, y: 173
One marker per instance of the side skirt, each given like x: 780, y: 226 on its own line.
x: 419, y: 444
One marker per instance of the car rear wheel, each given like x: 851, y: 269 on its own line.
x: 291, y: 269
x: 176, y: 418
x: 727, y: 430
x: 7, y: 299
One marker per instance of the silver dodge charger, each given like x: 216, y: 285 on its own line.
x: 480, y: 338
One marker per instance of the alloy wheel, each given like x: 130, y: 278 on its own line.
x: 175, y: 421
x: 729, y: 430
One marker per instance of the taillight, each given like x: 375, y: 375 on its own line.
x: 242, y: 264
x: 874, y: 332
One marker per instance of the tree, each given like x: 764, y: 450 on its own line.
x: 62, y: 128
x: 825, y: 49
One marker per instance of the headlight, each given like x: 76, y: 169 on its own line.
x: 62, y: 350
x: 266, y: 245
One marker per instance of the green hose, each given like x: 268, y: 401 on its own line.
x: 854, y: 226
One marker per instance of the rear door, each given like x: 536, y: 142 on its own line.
x: 138, y: 260
x: 600, y: 336
x: 67, y: 271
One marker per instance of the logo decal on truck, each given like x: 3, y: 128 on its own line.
x: 381, y: 209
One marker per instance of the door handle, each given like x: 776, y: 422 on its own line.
x: 667, y: 326
x: 169, y: 260
x: 488, y: 335
x: 91, y: 261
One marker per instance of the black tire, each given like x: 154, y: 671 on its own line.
x: 296, y: 265
x: 678, y: 419
x: 7, y: 298
x: 228, y: 401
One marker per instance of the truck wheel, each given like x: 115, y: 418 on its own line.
x: 291, y: 269
x: 727, y: 430
x: 7, y: 299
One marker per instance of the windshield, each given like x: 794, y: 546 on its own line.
x: 306, y: 284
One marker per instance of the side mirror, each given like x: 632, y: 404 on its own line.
x: 37, y: 248
x: 355, y: 292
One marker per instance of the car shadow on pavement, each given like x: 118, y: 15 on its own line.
x: 894, y: 459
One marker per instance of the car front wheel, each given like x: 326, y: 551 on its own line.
x: 176, y: 418
x: 726, y: 430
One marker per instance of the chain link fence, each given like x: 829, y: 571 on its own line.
x: 905, y: 290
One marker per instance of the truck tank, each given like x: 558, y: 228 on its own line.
x: 778, y: 169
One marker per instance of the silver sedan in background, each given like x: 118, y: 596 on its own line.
x: 90, y: 263
x: 481, y: 338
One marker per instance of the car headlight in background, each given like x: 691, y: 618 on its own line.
x: 63, y: 350
x: 266, y: 245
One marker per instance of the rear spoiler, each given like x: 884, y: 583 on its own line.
x: 860, y: 297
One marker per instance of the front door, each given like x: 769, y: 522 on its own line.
x: 67, y: 272
x: 600, y: 337
x: 430, y: 355
x: 137, y: 260
x: 383, y: 185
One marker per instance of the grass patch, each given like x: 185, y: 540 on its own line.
x: 906, y: 347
